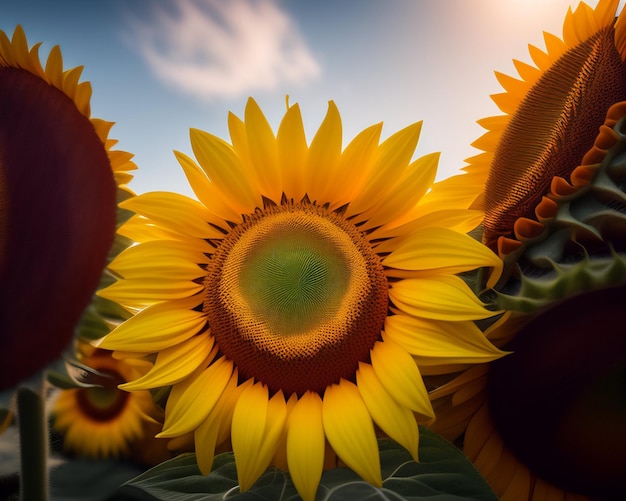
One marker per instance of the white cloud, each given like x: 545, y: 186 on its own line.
x: 224, y: 48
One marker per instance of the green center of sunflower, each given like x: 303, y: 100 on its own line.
x: 296, y: 297
x: 292, y: 278
x: 101, y: 403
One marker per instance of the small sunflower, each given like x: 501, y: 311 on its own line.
x: 60, y: 180
x: 547, y: 422
x: 101, y: 421
x: 290, y: 307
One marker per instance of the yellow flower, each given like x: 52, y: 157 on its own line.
x: 104, y: 421
x: 547, y: 422
x: 291, y: 306
x: 59, y: 182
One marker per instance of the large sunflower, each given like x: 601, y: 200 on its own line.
x: 548, y: 421
x: 289, y: 308
x: 60, y: 180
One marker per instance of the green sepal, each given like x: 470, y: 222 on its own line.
x: 565, y: 280
x: 581, y: 247
x: 78, y: 375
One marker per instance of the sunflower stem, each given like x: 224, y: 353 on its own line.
x: 33, y: 430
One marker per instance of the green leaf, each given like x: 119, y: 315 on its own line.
x: 62, y: 380
x: 101, y: 315
x: 83, y: 479
x: 443, y: 474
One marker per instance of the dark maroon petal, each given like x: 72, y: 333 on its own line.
x: 57, y: 221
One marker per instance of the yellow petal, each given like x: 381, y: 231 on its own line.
x: 224, y: 168
x: 274, y: 431
x: 292, y: 152
x: 462, y: 221
x: 263, y: 151
x: 507, y: 103
x: 324, y: 155
x: 208, y: 434
x: 138, y: 293
x: 489, y: 141
x: 227, y: 208
x: 159, y: 259
x: 70, y: 81
x: 227, y: 404
x: 156, y: 328
x: 20, y: 47
x: 399, y: 375
x: 140, y: 229
x: 190, y: 249
x: 350, y: 431
x: 247, y: 430
x: 239, y: 140
x: 205, y: 440
x: 477, y: 372
x: 54, y: 67
x: 455, y: 192
x: 512, y: 85
x: 406, y: 193
x: 443, y: 251
x: 433, y: 342
x: 396, y: 420
x: 355, y: 163
x: 176, y: 212
x: 256, y: 427
x: 280, y: 457
x: 539, y: 57
x: 7, y: 58
x: 198, y: 399
x: 174, y: 364
x: 443, y: 297
x: 528, y: 73
x: 179, y: 389
x: 306, y: 445
x: 392, y: 158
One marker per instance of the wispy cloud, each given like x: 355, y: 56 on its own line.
x: 223, y: 48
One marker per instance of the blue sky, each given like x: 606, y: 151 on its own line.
x: 159, y: 67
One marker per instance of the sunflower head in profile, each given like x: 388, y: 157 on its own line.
x: 547, y: 422
x: 60, y: 180
x: 291, y: 306
x: 101, y: 421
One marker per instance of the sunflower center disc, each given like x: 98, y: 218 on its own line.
x: 296, y: 298
x: 100, y: 403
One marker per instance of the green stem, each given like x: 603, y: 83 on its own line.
x: 33, y: 429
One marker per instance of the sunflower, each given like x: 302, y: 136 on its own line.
x: 290, y: 306
x: 59, y: 183
x: 548, y: 421
x: 101, y: 421
x: 552, y: 116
